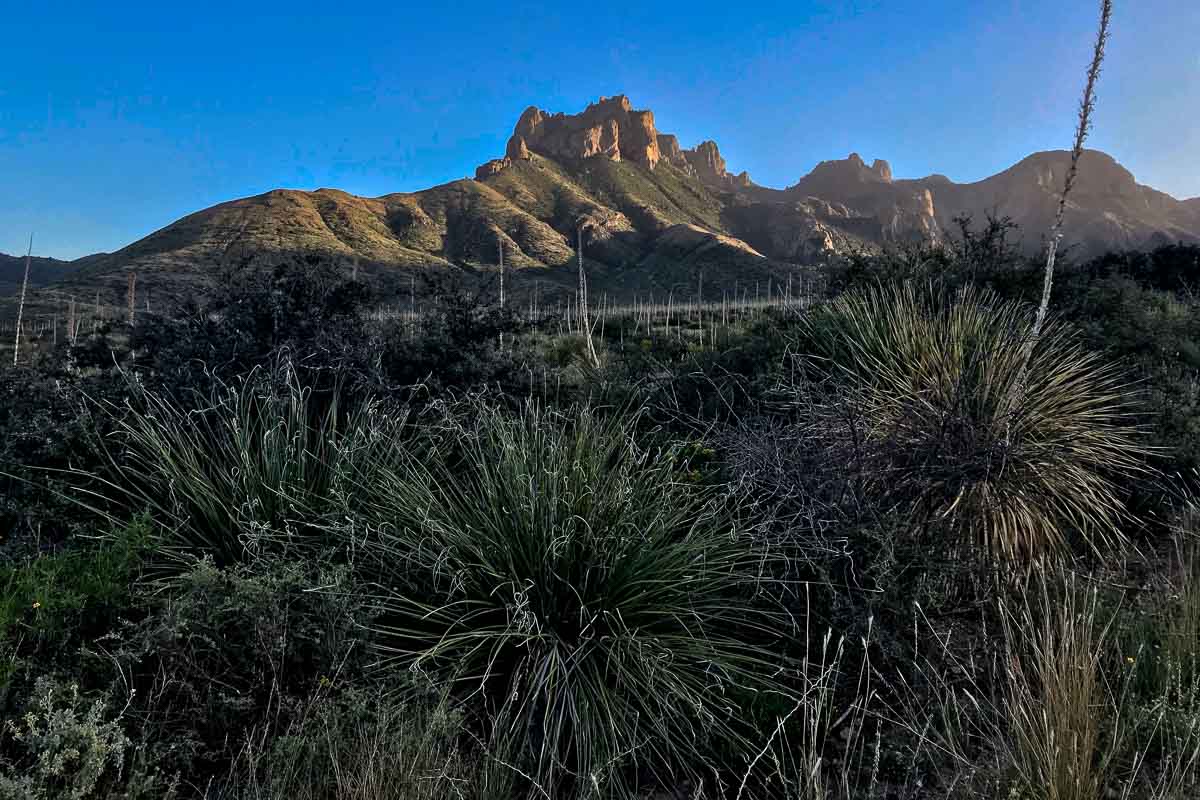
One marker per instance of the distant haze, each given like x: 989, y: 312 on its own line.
x: 117, y: 119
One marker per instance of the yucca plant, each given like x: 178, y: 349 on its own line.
x: 595, y: 605
x: 929, y: 377
x: 254, y: 464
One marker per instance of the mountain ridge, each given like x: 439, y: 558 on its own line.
x: 656, y: 214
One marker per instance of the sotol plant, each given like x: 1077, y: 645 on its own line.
x: 254, y: 465
x: 595, y: 604
x: 940, y: 432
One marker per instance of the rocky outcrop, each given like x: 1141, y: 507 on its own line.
x: 707, y: 164
x: 642, y: 141
x: 517, y: 150
x: 609, y: 128
x: 706, y: 159
x: 843, y: 178
x: 669, y: 150
x: 898, y: 211
x: 493, y: 167
x: 805, y: 231
x: 909, y: 217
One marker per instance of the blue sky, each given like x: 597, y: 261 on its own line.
x: 118, y: 118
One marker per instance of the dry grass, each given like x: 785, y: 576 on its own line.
x: 1059, y: 710
x: 1054, y: 713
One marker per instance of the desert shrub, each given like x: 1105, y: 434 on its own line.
x: 946, y: 422
x: 252, y: 465
x: 45, y: 428
x: 1169, y: 268
x: 310, y: 308
x: 989, y: 255
x: 595, y: 610
x: 455, y: 346
x: 686, y: 388
x: 55, y: 604
x: 362, y: 744
x: 216, y: 653
x: 332, y: 328
x: 1156, y: 332
x: 61, y: 748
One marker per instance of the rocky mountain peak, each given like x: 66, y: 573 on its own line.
x: 609, y: 128
x: 705, y: 162
x: 706, y: 159
x: 844, y: 179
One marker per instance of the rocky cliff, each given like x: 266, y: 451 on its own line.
x: 609, y: 128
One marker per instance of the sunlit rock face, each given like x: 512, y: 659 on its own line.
x: 610, y: 128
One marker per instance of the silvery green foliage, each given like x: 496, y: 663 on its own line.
x: 69, y: 751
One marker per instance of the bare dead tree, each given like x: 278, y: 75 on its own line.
x: 21, y: 303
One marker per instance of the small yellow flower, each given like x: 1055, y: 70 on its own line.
x: 36, y: 604
x: 1128, y: 659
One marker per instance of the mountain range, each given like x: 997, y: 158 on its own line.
x: 657, y: 215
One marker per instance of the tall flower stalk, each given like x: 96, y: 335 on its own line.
x: 1086, y: 106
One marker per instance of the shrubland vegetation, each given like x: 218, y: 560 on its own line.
x: 279, y: 546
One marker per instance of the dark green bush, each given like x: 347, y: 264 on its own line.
x: 217, y: 654
x: 311, y: 310
x: 46, y: 428
x: 53, y: 604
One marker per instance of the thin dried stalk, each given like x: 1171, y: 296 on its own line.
x: 21, y: 304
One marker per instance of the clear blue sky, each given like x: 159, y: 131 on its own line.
x: 118, y: 117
